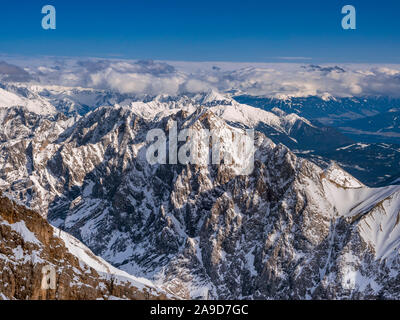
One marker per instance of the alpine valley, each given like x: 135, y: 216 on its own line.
x: 78, y: 193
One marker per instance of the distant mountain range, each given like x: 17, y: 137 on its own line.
x: 327, y: 110
x: 319, y: 138
x: 362, y: 134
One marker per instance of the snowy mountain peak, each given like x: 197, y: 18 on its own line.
x: 213, y: 96
x: 33, y: 103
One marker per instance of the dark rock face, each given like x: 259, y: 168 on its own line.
x: 281, y: 232
x: 28, y: 244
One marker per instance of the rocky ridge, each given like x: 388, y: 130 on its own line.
x: 29, y: 244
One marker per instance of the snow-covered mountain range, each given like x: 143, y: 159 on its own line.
x: 288, y: 230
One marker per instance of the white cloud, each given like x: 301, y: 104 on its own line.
x: 266, y: 79
x: 195, y: 86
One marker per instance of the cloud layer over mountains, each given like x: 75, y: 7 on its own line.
x: 156, y: 77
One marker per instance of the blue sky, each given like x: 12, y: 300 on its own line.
x: 253, y: 31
